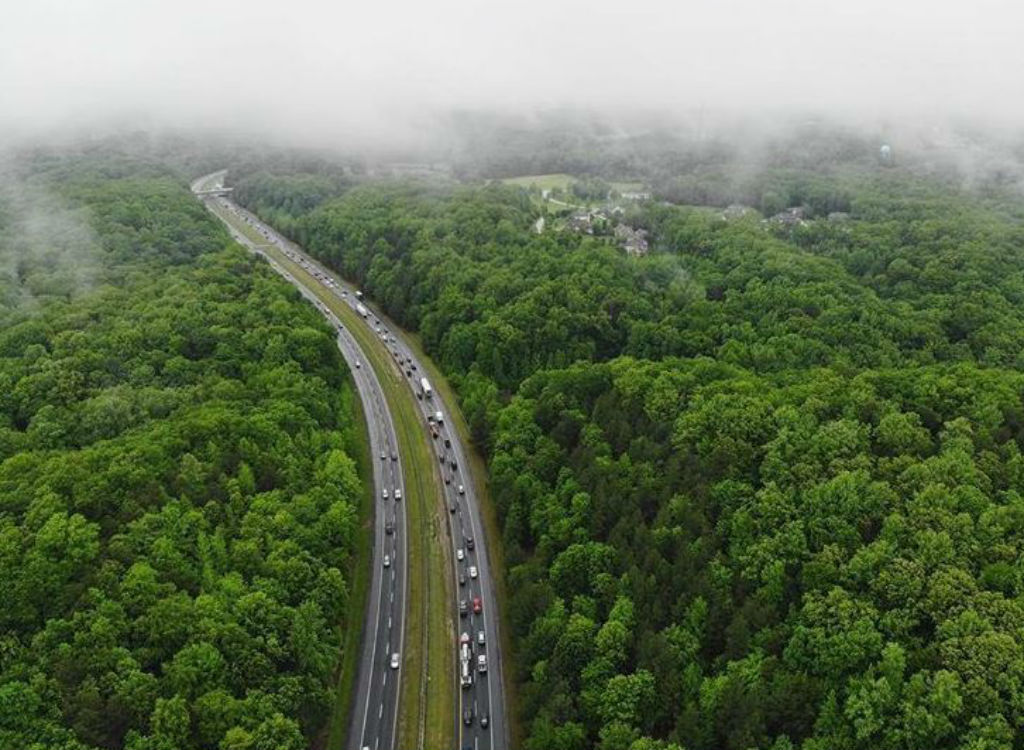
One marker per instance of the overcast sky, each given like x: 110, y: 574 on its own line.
x: 332, y: 69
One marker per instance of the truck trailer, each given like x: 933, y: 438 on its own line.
x: 425, y: 386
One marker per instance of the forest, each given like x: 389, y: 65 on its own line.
x: 179, y: 492
x: 762, y: 488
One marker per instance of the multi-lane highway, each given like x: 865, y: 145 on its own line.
x: 375, y: 713
x: 481, y: 720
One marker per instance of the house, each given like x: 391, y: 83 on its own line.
x: 736, y: 211
x: 791, y: 217
x: 581, y: 222
x: 633, y: 241
x: 635, y: 195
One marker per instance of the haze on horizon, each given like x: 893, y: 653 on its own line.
x: 323, y: 72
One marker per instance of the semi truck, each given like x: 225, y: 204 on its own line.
x: 425, y: 386
x: 361, y: 309
x: 465, y: 661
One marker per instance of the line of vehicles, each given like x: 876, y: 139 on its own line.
x: 472, y: 661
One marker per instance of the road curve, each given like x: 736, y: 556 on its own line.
x: 374, y: 713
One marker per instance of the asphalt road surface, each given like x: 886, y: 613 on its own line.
x: 375, y: 713
x: 376, y: 691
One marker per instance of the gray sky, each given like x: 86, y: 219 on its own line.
x: 336, y: 69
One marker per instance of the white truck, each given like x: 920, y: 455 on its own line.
x: 465, y: 661
x: 425, y: 386
x: 361, y: 309
x: 438, y: 417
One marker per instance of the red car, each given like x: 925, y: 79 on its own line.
x: 477, y: 606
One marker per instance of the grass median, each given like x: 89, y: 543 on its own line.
x: 426, y: 703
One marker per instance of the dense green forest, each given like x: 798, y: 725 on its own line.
x: 178, y: 490
x: 761, y: 489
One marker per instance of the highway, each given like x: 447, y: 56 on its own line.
x: 483, y: 700
x: 375, y: 712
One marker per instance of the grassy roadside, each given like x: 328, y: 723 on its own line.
x: 425, y: 711
x: 359, y: 575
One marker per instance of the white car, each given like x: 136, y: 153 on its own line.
x: 387, y: 561
x: 459, y: 554
x: 384, y: 493
x: 462, y: 490
x: 394, y: 661
x: 480, y: 638
x: 398, y: 494
x: 472, y: 571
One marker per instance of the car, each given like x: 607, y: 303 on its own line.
x: 441, y: 458
x: 480, y: 638
x: 472, y: 571
x: 463, y: 608
x: 447, y: 479
x: 408, y: 373
x: 389, y: 527
x: 470, y: 544
x: 454, y: 465
x: 464, y: 638
x: 451, y: 506
x: 462, y: 490
x: 394, y: 661
x: 467, y: 716
x: 447, y: 443
x: 384, y: 493
x: 398, y: 494
x: 462, y: 579
x: 387, y: 561
x: 485, y: 719
x: 357, y: 364
x: 394, y: 456
x: 414, y: 367
x: 481, y: 663
x: 477, y: 605
x: 383, y: 456
x: 460, y: 555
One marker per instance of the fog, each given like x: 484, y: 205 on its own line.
x: 327, y: 72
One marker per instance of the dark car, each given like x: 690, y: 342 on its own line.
x: 451, y: 506
x: 470, y: 544
x: 467, y: 716
x: 394, y: 456
x: 389, y: 527
x: 463, y: 608
x: 462, y: 579
x: 447, y: 443
x: 454, y: 465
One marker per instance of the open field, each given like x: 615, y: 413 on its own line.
x: 542, y: 181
